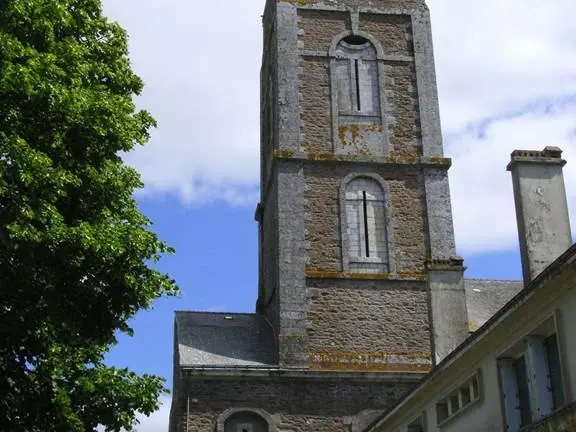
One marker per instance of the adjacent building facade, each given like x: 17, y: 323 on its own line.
x: 517, y: 372
x: 360, y: 289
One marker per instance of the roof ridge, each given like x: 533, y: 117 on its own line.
x: 215, y: 313
x: 494, y: 280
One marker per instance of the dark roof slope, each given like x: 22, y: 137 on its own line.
x: 223, y: 339
x: 485, y: 297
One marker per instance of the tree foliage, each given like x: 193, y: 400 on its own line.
x: 74, y: 249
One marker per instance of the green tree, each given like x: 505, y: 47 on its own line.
x: 74, y: 249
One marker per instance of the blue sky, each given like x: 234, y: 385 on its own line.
x: 507, y: 79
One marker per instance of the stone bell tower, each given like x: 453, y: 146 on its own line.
x: 359, y: 289
x: 357, y: 265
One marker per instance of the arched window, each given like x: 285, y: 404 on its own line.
x: 245, y: 421
x: 365, y: 226
x: 357, y: 80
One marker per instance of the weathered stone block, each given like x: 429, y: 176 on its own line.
x: 368, y: 317
x: 318, y: 28
x: 392, y: 31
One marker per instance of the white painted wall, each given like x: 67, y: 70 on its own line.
x: 486, y: 415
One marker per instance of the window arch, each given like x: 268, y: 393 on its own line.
x: 245, y: 420
x: 365, y: 230
x: 357, y: 80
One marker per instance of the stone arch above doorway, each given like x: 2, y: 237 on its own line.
x: 245, y: 420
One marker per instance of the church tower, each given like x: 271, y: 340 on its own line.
x: 357, y: 267
x: 360, y: 292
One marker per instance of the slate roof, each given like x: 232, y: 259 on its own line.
x: 485, y: 297
x: 223, y: 339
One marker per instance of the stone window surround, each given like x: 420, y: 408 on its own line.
x: 344, y: 223
x: 366, y: 225
x: 346, y: 54
x: 334, y: 54
x: 225, y: 415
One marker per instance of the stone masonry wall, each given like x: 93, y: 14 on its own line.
x: 318, y: 28
x: 295, y: 405
x: 367, y: 316
x: 269, y: 268
x: 323, y: 182
x: 315, y: 116
x: 392, y: 31
x: 404, y: 4
x: 404, y: 132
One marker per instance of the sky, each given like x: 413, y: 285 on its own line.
x: 507, y: 80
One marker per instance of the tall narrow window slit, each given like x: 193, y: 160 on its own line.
x: 357, y: 76
x: 366, y: 234
x: 365, y: 231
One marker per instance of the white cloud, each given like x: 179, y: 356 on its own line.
x: 493, y: 56
x: 200, y: 62
x: 158, y: 421
x: 484, y: 214
x: 507, y: 80
x: 498, y: 63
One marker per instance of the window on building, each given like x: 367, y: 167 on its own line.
x: 554, y: 369
x: 366, y: 225
x: 522, y: 391
x: 531, y: 382
x: 418, y: 424
x: 442, y: 412
x: 458, y: 400
x: 357, y: 80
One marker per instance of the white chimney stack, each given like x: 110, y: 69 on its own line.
x: 541, y: 208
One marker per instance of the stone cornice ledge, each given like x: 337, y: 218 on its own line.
x: 452, y: 264
x: 550, y: 156
x: 295, y: 373
x: 332, y: 5
x: 406, y: 276
x: 420, y: 161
